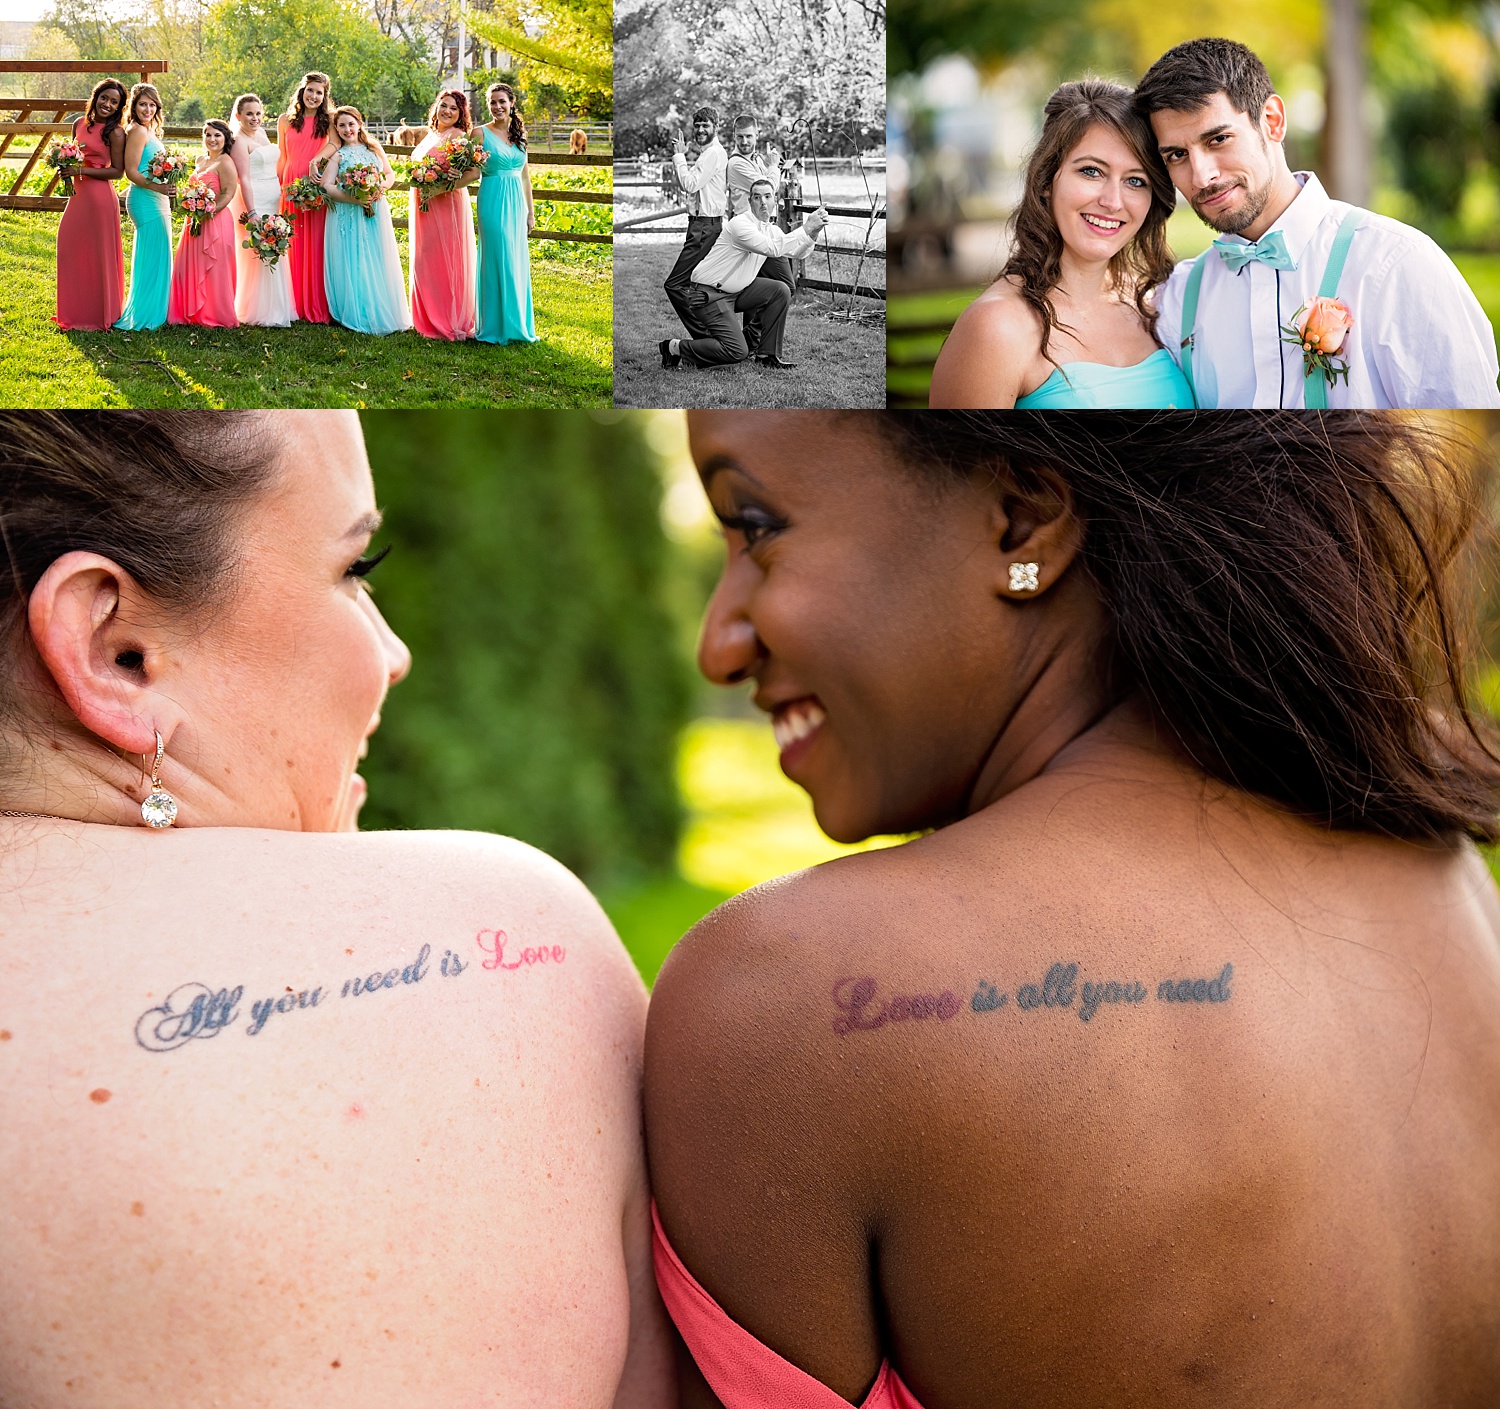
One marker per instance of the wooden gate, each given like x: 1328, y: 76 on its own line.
x: 47, y: 118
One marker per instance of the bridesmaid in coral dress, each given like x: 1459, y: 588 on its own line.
x: 442, y: 236
x: 203, y: 275
x: 90, y: 255
x: 304, y: 134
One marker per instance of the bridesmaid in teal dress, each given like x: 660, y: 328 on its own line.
x: 1070, y: 322
x: 506, y: 218
x: 361, y: 264
x: 149, y: 205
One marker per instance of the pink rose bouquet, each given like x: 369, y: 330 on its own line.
x: 362, y: 181
x: 198, y: 202
x: 470, y: 154
x: 65, y: 159
x: 433, y: 175
x: 270, y: 237
x: 168, y: 168
x: 1319, y: 328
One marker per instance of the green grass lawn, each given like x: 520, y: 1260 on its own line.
x: 839, y: 363
x: 305, y: 365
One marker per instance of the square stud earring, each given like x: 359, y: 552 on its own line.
x: 160, y: 807
x: 1023, y: 577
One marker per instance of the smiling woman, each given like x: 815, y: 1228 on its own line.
x: 353, y: 1064
x: 1195, y: 971
x: 1069, y: 322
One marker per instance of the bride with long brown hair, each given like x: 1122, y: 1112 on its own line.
x: 1070, y: 322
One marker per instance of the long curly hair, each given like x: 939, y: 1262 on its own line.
x: 1036, y: 255
x: 137, y: 92
x: 517, y: 132
x: 297, y: 109
x: 115, y: 118
x: 461, y: 101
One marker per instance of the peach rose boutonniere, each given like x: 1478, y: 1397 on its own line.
x: 1319, y: 329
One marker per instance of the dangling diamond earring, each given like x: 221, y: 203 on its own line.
x: 1023, y: 577
x: 160, y: 807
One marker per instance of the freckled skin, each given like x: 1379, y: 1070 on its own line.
x: 341, y: 1215
x: 1289, y: 1197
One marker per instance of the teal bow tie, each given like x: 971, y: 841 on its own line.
x: 1270, y: 249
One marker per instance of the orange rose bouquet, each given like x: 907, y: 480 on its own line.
x: 1319, y: 328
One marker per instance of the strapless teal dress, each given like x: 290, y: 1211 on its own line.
x: 1091, y: 386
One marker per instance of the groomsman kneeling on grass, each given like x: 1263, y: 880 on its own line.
x: 728, y: 281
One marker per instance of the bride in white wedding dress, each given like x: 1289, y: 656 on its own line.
x: 263, y: 296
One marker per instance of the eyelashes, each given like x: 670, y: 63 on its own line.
x: 752, y: 526
x: 363, y: 567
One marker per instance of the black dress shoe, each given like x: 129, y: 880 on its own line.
x: 772, y: 360
x: 668, y: 357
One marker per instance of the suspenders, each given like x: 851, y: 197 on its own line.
x: 1314, y: 387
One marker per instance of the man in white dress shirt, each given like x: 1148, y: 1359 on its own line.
x: 1419, y: 337
x: 704, y: 181
x: 728, y: 282
x: 747, y: 166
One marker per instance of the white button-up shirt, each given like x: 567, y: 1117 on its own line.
x: 1420, y: 338
x: 704, y: 178
x: 742, y: 245
x: 744, y: 172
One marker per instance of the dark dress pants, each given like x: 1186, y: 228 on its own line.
x: 764, y: 303
x: 778, y: 266
x: 703, y: 230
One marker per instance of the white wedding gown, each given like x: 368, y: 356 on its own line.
x: 262, y: 296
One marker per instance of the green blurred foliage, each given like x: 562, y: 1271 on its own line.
x: 265, y: 46
x: 549, y: 685
x: 1434, y: 131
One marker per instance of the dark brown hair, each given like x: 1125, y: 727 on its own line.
x: 1187, y: 76
x: 297, y: 107
x: 1036, y: 255
x: 1280, y: 593
x: 219, y: 125
x: 517, y: 130
x: 157, y: 492
x: 116, y: 117
x: 145, y: 90
x: 465, y: 122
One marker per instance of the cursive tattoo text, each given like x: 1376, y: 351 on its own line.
x: 862, y: 1007
x: 196, y: 1010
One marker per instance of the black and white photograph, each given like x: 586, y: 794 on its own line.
x: 750, y: 203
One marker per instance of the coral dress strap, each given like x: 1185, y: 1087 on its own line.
x: 742, y: 1371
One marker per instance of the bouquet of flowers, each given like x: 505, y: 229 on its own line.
x: 362, y: 181
x: 65, y: 159
x: 470, y: 154
x: 305, y: 193
x: 270, y: 236
x: 168, y: 168
x: 198, y: 201
x: 439, y: 171
x: 433, y: 175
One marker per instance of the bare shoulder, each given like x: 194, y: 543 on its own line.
x: 993, y: 344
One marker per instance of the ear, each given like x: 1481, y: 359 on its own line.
x: 1036, y: 535
x: 1273, y: 119
x: 93, y: 629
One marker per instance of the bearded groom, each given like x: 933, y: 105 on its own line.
x: 1303, y: 301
